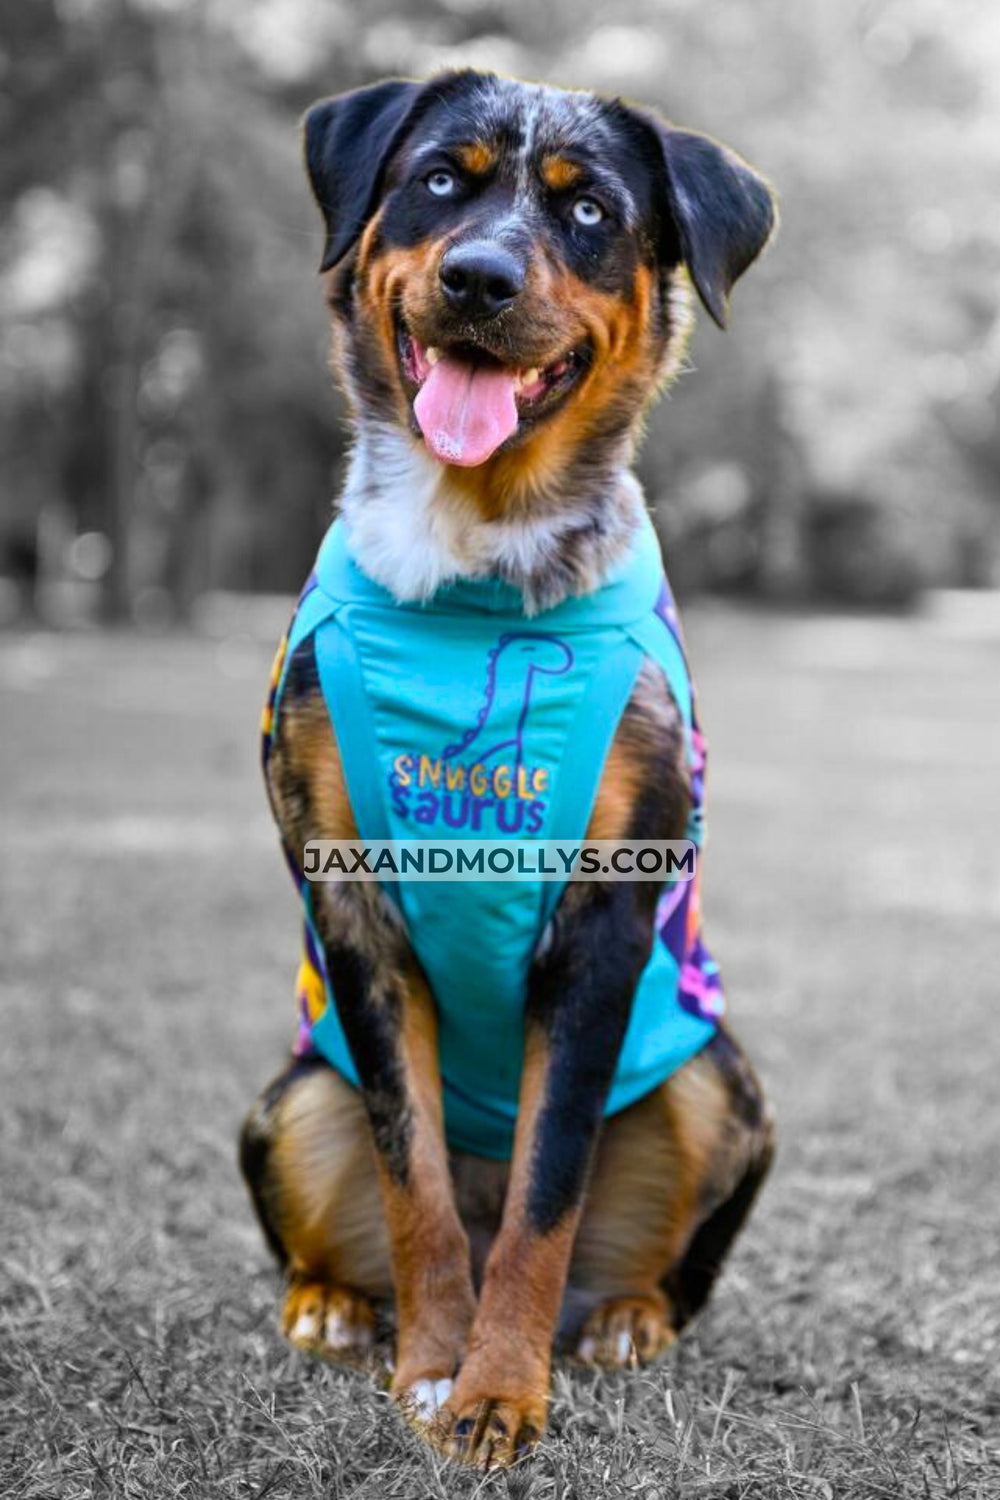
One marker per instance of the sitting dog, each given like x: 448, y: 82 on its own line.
x: 512, y: 1109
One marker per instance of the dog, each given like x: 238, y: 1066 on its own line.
x: 515, y: 1111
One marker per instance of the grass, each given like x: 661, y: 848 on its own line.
x: 147, y: 943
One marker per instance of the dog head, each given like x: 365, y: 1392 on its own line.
x: 508, y: 261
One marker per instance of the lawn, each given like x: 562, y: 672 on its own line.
x: 147, y: 946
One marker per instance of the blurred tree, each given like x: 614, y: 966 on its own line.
x: 192, y: 328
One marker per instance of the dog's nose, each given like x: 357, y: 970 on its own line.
x: 480, y: 278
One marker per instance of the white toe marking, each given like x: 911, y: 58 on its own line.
x: 623, y: 1347
x: 338, y: 1330
x: 587, y: 1347
x: 306, y: 1326
x: 442, y: 1390
x: 341, y: 1333
x: 428, y: 1396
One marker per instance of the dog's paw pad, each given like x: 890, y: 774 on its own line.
x: 626, y: 1331
x: 328, y: 1320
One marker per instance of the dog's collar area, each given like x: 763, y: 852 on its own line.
x: 629, y: 592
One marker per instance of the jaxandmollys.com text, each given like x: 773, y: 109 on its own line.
x: 499, y: 859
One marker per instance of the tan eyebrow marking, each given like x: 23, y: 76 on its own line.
x: 476, y: 157
x: 559, y: 173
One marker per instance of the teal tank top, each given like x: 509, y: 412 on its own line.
x: 464, y: 718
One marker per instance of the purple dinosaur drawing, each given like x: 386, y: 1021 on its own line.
x: 513, y: 665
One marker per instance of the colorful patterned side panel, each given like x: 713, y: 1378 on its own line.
x: 310, y: 986
x: 678, y: 917
x: 310, y: 993
x: 267, y: 716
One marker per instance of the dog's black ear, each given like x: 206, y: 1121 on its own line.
x: 348, y: 141
x: 724, y: 211
x: 721, y: 212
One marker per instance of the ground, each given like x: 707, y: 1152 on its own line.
x: 147, y: 948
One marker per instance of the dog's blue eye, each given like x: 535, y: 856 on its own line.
x: 441, y: 184
x: 588, y: 212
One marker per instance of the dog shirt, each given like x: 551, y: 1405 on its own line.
x: 464, y: 718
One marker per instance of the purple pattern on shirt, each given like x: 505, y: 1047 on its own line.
x: 677, y: 918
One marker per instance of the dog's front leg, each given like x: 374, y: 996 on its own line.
x: 390, y: 1022
x: 578, y: 1007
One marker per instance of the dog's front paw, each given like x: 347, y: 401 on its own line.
x: 430, y: 1346
x: 329, y: 1321
x: 626, y: 1330
x: 493, y: 1416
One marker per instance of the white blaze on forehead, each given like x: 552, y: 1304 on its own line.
x: 531, y: 114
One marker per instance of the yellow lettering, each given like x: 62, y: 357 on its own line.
x: 454, y: 778
x: 540, y: 780
x: 501, y: 781
x: 402, y: 766
x: 430, y: 771
x: 478, y: 783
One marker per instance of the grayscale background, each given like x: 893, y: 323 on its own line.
x: 826, y: 482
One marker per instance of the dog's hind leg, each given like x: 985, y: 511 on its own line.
x: 674, y: 1179
x: 744, y: 1155
x: 307, y: 1157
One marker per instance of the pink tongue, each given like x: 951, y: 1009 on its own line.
x: 466, y: 411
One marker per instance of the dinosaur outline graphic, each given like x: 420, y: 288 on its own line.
x: 529, y: 642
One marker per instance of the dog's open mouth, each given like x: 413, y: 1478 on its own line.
x: 468, y: 404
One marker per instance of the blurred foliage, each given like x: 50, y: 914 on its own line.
x: 162, y: 335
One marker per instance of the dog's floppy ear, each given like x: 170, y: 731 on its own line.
x: 348, y: 141
x: 722, y: 211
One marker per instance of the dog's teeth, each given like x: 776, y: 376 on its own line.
x: 529, y: 376
x: 432, y: 356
